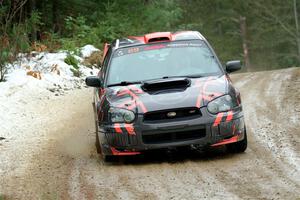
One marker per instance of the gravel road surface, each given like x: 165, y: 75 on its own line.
x: 47, y: 150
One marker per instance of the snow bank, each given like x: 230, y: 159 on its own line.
x: 87, y: 50
x: 56, y: 75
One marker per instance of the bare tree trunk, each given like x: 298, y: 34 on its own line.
x: 243, y: 29
x: 219, y: 25
x: 297, y: 28
x: 15, y: 6
x: 55, y: 16
x: 33, y: 31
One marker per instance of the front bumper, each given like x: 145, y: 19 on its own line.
x: 203, y: 131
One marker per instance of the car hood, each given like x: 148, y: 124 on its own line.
x: 197, y: 94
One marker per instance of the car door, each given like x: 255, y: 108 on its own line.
x: 100, y: 92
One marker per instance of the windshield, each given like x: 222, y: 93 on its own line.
x: 146, y: 62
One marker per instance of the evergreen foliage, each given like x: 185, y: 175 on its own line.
x: 270, y: 35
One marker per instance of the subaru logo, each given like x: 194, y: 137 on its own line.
x: 171, y: 114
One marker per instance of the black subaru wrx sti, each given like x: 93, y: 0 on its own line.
x: 165, y: 90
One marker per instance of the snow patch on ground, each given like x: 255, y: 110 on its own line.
x: 21, y: 89
x: 87, y: 50
x: 56, y: 75
x: 23, y: 98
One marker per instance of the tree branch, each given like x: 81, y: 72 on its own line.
x: 275, y: 18
x: 13, y: 11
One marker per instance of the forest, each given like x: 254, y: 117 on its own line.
x: 262, y: 33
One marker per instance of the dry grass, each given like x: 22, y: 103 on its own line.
x: 93, y: 60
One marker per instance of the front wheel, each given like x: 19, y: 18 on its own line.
x: 98, y: 147
x: 97, y: 143
x: 238, y: 147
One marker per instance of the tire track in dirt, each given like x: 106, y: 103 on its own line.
x: 57, y: 134
x: 268, y: 121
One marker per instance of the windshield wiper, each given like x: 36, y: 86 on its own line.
x: 124, y: 83
x: 186, y: 76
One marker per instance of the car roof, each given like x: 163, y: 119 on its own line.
x: 156, y: 37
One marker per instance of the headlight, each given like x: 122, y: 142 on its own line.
x: 221, y: 104
x: 119, y: 115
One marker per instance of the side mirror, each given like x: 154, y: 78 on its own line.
x: 93, y: 81
x: 232, y: 66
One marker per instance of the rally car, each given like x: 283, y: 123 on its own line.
x: 165, y: 90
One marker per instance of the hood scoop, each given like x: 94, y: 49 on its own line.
x: 165, y: 84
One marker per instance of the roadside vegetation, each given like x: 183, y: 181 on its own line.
x: 71, y: 60
x: 263, y: 33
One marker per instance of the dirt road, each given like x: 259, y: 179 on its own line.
x: 48, y: 151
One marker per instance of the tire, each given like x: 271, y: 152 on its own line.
x: 98, y: 147
x: 97, y: 143
x: 109, y: 158
x: 238, y: 147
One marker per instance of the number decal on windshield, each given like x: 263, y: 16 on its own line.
x: 133, y: 50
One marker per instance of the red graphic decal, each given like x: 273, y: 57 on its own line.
x: 129, y: 129
x: 202, y: 93
x: 115, y: 152
x: 160, y: 46
x: 129, y: 104
x: 218, y: 119
x: 117, y: 127
x: 135, y: 99
x: 144, y: 109
x: 136, y: 90
x: 122, y: 92
x: 227, y: 141
x: 210, y: 96
x: 217, y: 94
x: 229, y: 116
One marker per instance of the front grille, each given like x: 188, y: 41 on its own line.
x: 180, y: 114
x: 174, y: 136
x: 121, y: 140
x: 116, y: 139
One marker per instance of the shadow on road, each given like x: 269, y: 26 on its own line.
x: 173, y: 156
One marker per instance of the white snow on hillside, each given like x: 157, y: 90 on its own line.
x: 56, y: 75
x: 87, y: 50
